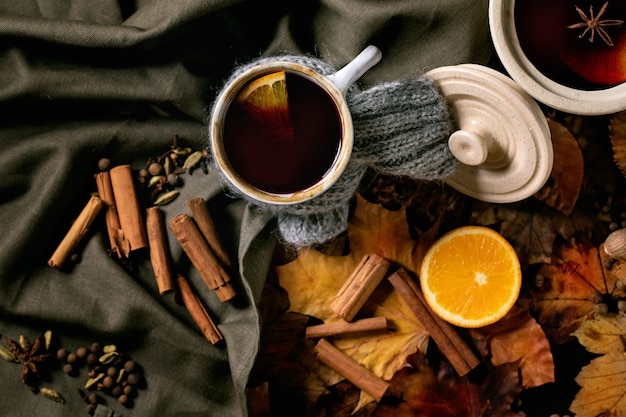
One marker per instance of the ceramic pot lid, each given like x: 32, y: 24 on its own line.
x: 502, y: 139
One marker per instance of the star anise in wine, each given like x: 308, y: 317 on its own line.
x: 594, y: 25
x: 34, y: 357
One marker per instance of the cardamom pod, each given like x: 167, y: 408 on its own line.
x: 94, y: 380
x: 166, y: 198
x: 7, y: 355
x: 52, y: 394
x: 120, y: 376
x: 108, y: 357
x: 109, y: 348
x: 24, y: 342
x: 154, y: 181
x: 181, y: 151
x: 193, y: 160
x: 48, y: 339
x: 167, y: 166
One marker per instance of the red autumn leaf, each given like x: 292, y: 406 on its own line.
x: 427, y: 393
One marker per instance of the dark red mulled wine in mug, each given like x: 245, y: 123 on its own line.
x: 284, y: 147
x: 577, y: 43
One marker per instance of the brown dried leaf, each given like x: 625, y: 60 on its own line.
x: 563, y: 187
x: 568, y: 289
x: 531, y: 227
x: 285, y: 363
x: 518, y: 338
x: 617, y: 134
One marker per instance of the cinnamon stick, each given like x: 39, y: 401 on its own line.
x: 198, y: 312
x: 200, y: 213
x: 354, y: 372
x: 202, y: 257
x: 76, y: 232
x: 159, y: 255
x: 114, y: 229
x: 346, y: 327
x: 128, y: 208
x: 450, y: 343
x: 359, y: 286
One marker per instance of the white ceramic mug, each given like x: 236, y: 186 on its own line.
x: 334, y: 85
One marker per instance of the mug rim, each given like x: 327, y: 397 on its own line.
x: 523, y: 72
x: 225, y: 99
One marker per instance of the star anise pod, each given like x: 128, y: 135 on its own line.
x: 594, y: 25
x: 34, y: 358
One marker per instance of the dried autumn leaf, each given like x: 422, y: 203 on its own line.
x: 312, y: 281
x: 603, y: 392
x: 603, y: 334
x: 284, y: 363
x: 568, y: 288
x: 518, y: 338
x: 563, y: 187
x: 445, y: 394
x: 531, y: 226
x: 617, y: 134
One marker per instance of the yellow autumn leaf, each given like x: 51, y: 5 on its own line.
x: 603, y: 380
x: 313, y: 279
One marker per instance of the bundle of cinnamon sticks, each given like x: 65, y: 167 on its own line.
x: 350, y: 299
x: 128, y: 233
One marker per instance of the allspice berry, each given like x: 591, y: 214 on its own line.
x: 129, y: 366
x: 62, y: 354
x: 82, y: 352
x: 69, y: 369
x: 155, y: 169
x: 133, y: 379
x: 108, y: 382
x: 104, y: 164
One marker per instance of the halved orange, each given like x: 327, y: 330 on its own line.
x: 266, y: 99
x: 471, y: 276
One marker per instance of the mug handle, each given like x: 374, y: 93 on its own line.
x: 354, y: 69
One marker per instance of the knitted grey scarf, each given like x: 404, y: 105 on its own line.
x: 401, y: 128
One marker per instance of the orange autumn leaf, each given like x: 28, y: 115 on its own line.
x: 568, y: 288
x: 313, y: 280
x: 518, y: 338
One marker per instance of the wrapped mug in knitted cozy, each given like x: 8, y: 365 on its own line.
x: 401, y: 128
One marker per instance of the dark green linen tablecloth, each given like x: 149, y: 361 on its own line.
x: 84, y: 79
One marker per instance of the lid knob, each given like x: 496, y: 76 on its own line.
x: 468, y: 147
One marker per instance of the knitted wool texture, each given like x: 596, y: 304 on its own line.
x: 400, y: 128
